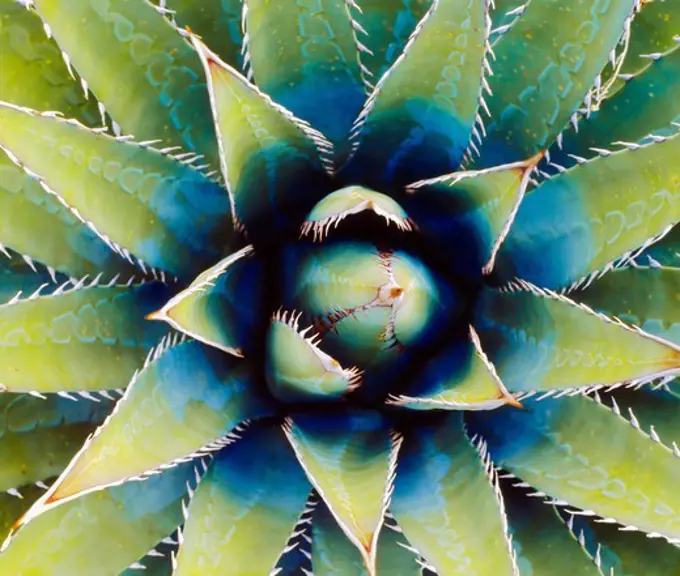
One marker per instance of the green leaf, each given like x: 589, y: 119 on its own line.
x: 646, y: 297
x: 217, y: 23
x: 545, y: 64
x: 541, y: 341
x: 101, y: 533
x: 86, y: 339
x: 38, y: 437
x: 298, y: 370
x: 34, y: 73
x: 159, y: 91
x: 665, y: 252
x: 589, y: 217
x: 350, y: 459
x: 418, y: 121
x: 579, y: 451
x: 447, y: 501
x: 388, y: 25
x: 540, y: 539
x: 148, y: 204
x: 160, y: 404
x: 625, y: 553
x: 34, y: 223
x: 306, y: 55
x: 458, y: 377
x: 12, y: 506
x: 245, y: 509
x: 222, y: 306
x: 646, y: 104
x: 272, y: 162
x: 25, y: 277
x: 477, y: 206
x: 334, y: 555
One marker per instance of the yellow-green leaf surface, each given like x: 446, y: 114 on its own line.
x: 102, y: 533
x: 349, y: 458
x: 139, y: 200
x: 593, y: 214
x: 88, y: 339
x: 220, y: 307
x: 245, y: 509
x: 161, y: 404
x: 418, y: 121
x: 306, y: 55
x: 334, y: 555
x: 446, y: 504
x: 38, y: 437
x: 539, y: 341
x: 577, y: 450
x: 158, y: 91
x: 544, y: 66
x: 646, y: 297
x: 12, y: 507
x: 271, y: 161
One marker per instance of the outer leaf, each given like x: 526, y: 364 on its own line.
x: 11, y: 507
x: 223, y: 306
x: 544, y: 66
x: 271, y: 161
x: 218, y: 23
x: 626, y: 553
x: 646, y: 104
x: 36, y: 224
x: 160, y: 404
x: 92, y: 338
x: 334, y: 555
x: 445, y: 503
x: 583, y: 220
x: 541, y: 540
x: 34, y: 73
x: 164, y: 212
x: 245, y: 509
x: 102, y: 533
x: 646, y: 297
x: 458, y: 377
x: 159, y: 91
x: 350, y: 459
x: 388, y: 25
x: 39, y: 436
x: 418, y: 121
x: 306, y: 55
x: 577, y: 450
x: 541, y: 341
x: 474, y: 209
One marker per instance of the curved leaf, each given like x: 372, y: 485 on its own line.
x: 12, y: 507
x: 541, y: 341
x: 85, y: 339
x: 590, y: 216
x: 540, y: 539
x: 272, y: 163
x: 222, y: 307
x: 446, y: 504
x: 306, y: 55
x: 334, y: 555
x: 159, y: 91
x: 217, y: 23
x: 101, y: 533
x: 38, y: 437
x: 349, y: 458
x: 22, y: 277
x: 139, y: 200
x: 418, y: 121
x: 458, y: 377
x: 665, y: 252
x: 245, y: 508
x: 580, y: 452
x: 646, y: 297
x: 190, y: 393
x: 545, y: 64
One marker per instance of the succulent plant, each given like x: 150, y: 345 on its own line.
x: 340, y: 287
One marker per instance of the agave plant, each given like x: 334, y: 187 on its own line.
x: 340, y: 287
